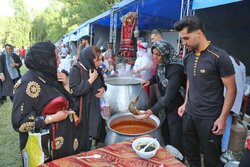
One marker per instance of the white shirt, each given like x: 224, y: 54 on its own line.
x: 240, y: 79
x: 64, y: 52
x: 145, y: 63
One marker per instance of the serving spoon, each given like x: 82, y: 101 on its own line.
x: 144, y: 149
x: 91, y: 156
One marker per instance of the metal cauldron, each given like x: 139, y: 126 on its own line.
x: 122, y: 90
x: 114, y: 136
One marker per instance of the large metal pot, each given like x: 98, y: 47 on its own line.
x: 122, y: 90
x: 114, y: 136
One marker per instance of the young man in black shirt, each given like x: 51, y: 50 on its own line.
x: 205, y: 110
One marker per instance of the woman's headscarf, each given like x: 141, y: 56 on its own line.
x: 87, y: 58
x: 41, y: 59
x: 168, y: 53
x: 169, y: 56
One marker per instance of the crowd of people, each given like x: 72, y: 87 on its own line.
x: 196, y: 94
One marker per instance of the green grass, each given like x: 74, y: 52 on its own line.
x: 9, y: 141
x: 10, y: 155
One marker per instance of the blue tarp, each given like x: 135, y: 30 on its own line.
x: 152, y: 13
x: 199, y: 4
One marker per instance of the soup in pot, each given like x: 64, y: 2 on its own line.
x: 133, y: 126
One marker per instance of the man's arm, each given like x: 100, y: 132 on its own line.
x: 230, y: 85
x: 182, y: 108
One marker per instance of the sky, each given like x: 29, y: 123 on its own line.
x: 7, y: 10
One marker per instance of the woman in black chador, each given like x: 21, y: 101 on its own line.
x: 42, y: 87
x: 88, y: 86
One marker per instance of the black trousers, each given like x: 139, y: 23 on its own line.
x: 173, y: 130
x: 197, y: 135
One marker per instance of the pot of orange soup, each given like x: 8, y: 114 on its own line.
x: 124, y: 126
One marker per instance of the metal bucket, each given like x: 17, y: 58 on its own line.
x: 122, y: 90
x: 232, y: 164
x: 114, y: 136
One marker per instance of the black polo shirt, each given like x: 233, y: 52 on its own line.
x: 204, y: 71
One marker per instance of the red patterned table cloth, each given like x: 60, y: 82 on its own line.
x: 117, y: 155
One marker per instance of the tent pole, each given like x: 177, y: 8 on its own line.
x: 182, y: 2
x: 111, y: 26
x: 91, y: 34
x: 188, y: 5
x: 179, y: 38
x: 114, y: 32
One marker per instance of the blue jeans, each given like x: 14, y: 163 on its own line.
x: 226, y: 135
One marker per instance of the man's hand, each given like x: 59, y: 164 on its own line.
x: 145, y: 83
x: 147, y: 113
x: 181, y: 110
x: 219, y: 126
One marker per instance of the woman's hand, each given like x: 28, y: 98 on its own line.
x: 145, y: 83
x: 100, y: 92
x: 147, y: 113
x: 2, y: 77
x: 92, y: 76
x: 57, y: 117
x: 14, y: 65
x: 62, y: 77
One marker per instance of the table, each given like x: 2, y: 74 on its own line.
x: 117, y: 155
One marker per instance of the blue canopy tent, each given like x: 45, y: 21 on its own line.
x: 71, y: 36
x: 151, y: 13
x: 200, y: 4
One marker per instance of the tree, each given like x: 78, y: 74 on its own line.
x: 16, y: 28
x: 61, y: 17
x: 64, y: 16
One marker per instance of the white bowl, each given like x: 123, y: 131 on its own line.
x: 141, y: 116
x: 144, y: 141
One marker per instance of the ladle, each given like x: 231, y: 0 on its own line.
x: 132, y: 105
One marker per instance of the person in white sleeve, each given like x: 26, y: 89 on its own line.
x: 143, y: 64
x: 240, y: 78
